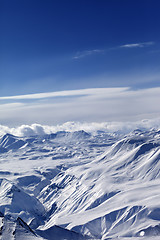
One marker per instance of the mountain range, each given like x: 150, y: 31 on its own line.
x: 79, y: 185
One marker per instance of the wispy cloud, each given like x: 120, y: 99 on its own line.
x: 88, y: 53
x: 68, y: 93
x: 137, y: 45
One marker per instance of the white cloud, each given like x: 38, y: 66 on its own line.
x: 23, y: 130
x: 92, y: 127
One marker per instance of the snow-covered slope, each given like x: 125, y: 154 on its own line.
x: 76, y: 185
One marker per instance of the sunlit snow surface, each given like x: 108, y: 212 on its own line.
x: 78, y: 185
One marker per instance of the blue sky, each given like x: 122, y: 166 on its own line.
x: 53, y: 46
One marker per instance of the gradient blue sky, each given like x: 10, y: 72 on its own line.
x: 57, y: 45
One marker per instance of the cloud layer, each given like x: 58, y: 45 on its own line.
x: 85, y: 105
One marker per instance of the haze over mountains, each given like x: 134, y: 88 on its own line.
x: 80, y: 185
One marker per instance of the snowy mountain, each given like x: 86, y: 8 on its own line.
x: 78, y: 185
